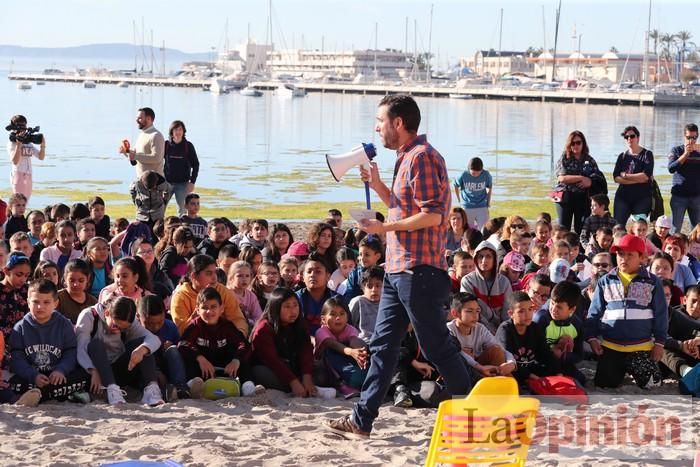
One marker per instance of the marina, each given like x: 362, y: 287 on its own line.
x: 639, y: 97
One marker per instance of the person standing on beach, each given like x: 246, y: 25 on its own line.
x: 684, y: 164
x: 149, y: 150
x: 21, y: 157
x: 416, y: 284
x: 181, y: 164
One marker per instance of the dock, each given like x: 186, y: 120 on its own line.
x: 635, y: 97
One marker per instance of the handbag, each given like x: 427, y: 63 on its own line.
x: 657, y: 202
x: 559, y: 195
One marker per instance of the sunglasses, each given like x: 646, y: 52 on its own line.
x: 632, y: 136
x: 578, y: 142
x: 601, y: 265
x: 692, y: 138
x: 517, y: 226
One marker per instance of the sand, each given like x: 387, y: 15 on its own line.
x: 274, y: 429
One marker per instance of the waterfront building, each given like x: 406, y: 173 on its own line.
x: 315, y: 64
x: 608, y: 66
x: 494, y: 63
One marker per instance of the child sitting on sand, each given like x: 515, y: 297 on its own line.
x: 481, y: 350
x: 315, y: 274
x: 282, y: 350
x: 526, y: 341
x: 370, y: 253
x: 364, y: 309
x: 627, y: 321
x: 63, y: 250
x: 339, y: 347
x: 415, y: 379
x: 239, y: 281
x: 117, y: 351
x: 74, y: 298
x: 491, y: 288
x: 347, y: 261
x: 13, y: 293
x: 211, y: 345
x: 681, y: 354
x: 151, y: 314
x: 266, y: 280
x: 43, y: 347
x: 563, y: 330
x: 462, y: 264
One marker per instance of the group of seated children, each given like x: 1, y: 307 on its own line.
x: 167, y: 308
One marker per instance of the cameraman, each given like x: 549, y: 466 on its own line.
x: 21, y: 155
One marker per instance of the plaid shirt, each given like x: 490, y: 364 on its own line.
x: 420, y: 184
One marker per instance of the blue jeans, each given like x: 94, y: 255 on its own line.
x: 172, y: 365
x: 180, y: 192
x: 417, y: 297
x: 345, y: 368
x: 681, y: 204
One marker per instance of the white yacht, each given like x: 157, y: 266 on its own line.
x: 250, y: 91
x: 218, y: 86
x: 289, y: 90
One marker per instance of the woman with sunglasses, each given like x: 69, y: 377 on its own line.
x: 576, y: 171
x: 633, y: 172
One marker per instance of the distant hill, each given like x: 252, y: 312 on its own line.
x: 100, y: 51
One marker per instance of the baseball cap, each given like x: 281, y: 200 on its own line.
x: 559, y: 270
x: 664, y: 221
x: 298, y: 248
x: 515, y: 261
x: 629, y: 243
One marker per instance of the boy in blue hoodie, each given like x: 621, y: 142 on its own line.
x: 43, y: 347
x: 627, y: 323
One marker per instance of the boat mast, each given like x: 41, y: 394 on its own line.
x: 500, y: 39
x: 556, y: 39
x: 646, y: 50
x: 430, y: 44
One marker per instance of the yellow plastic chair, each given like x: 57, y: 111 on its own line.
x: 492, y: 425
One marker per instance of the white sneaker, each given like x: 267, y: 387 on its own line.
x: 152, y: 395
x: 248, y: 389
x: 30, y: 398
x: 115, y: 395
x: 196, y: 386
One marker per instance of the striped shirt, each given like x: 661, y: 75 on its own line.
x: 420, y: 184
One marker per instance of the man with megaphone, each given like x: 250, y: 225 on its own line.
x: 416, y: 284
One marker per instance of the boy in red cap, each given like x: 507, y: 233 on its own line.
x: 627, y: 321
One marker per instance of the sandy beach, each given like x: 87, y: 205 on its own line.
x: 274, y: 429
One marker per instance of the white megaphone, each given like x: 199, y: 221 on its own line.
x: 359, y: 156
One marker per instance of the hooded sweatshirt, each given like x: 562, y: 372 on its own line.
x: 42, y: 348
x: 114, y: 343
x: 491, y: 294
x: 150, y: 203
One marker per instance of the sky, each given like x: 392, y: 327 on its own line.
x: 459, y: 27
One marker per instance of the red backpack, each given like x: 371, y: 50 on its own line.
x: 563, y: 388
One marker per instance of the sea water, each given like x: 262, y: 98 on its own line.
x: 271, y: 149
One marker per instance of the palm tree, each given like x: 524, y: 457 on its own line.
x: 683, y: 37
x: 667, y: 41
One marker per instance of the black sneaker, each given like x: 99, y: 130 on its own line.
x: 402, y: 398
x: 183, y: 392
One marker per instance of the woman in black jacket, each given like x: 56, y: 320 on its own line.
x: 576, y: 172
x: 181, y: 164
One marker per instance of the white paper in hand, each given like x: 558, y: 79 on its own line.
x: 362, y: 214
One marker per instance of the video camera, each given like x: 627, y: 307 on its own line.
x: 24, y: 135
